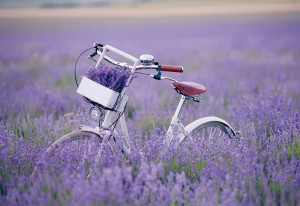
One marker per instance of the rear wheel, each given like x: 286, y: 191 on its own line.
x: 212, y: 138
x: 76, y: 152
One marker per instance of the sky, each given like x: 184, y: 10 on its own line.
x: 59, y: 3
x: 91, y: 3
x: 74, y: 3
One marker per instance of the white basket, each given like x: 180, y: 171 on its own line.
x: 101, y: 94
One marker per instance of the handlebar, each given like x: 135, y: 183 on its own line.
x: 156, y: 66
x: 169, y: 68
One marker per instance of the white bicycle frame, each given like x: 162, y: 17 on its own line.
x: 181, y: 131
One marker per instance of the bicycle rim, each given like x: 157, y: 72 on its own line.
x: 212, y: 138
x: 74, y: 153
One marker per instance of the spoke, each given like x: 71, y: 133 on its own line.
x: 206, y: 134
x: 99, y: 154
x: 222, y: 136
x: 75, y: 154
x: 214, y: 130
x: 220, y: 132
x: 210, y: 132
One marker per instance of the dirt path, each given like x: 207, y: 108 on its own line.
x: 154, y: 10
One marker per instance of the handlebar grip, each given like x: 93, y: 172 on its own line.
x: 169, y: 68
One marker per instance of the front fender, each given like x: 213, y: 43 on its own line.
x: 101, y: 133
x: 96, y: 131
x: 89, y: 129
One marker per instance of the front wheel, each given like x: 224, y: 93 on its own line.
x: 73, y: 153
x: 212, y: 137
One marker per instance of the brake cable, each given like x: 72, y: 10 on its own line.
x: 75, y: 66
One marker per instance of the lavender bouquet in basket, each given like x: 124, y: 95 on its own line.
x: 112, y: 77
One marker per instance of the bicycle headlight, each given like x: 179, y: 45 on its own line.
x: 96, y: 113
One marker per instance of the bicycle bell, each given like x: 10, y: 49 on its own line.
x: 147, y: 59
x: 97, y: 113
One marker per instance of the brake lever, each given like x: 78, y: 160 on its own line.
x: 93, y: 54
x: 161, y: 78
x: 158, y: 75
x: 97, y: 47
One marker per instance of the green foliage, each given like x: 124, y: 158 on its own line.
x: 291, y: 149
x: 148, y: 123
x: 191, y: 169
x: 276, y: 188
x: 238, y: 196
x: 130, y: 111
x: 65, y: 81
x: 294, y: 149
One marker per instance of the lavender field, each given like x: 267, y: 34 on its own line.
x: 250, y: 66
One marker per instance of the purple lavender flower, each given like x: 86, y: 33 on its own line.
x: 250, y: 67
x: 113, y: 77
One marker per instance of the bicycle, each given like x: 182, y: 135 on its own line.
x: 87, y: 140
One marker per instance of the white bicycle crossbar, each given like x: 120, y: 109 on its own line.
x: 107, y: 48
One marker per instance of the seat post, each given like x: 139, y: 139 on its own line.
x: 179, y: 107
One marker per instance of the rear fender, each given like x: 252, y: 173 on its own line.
x: 189, y: 128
